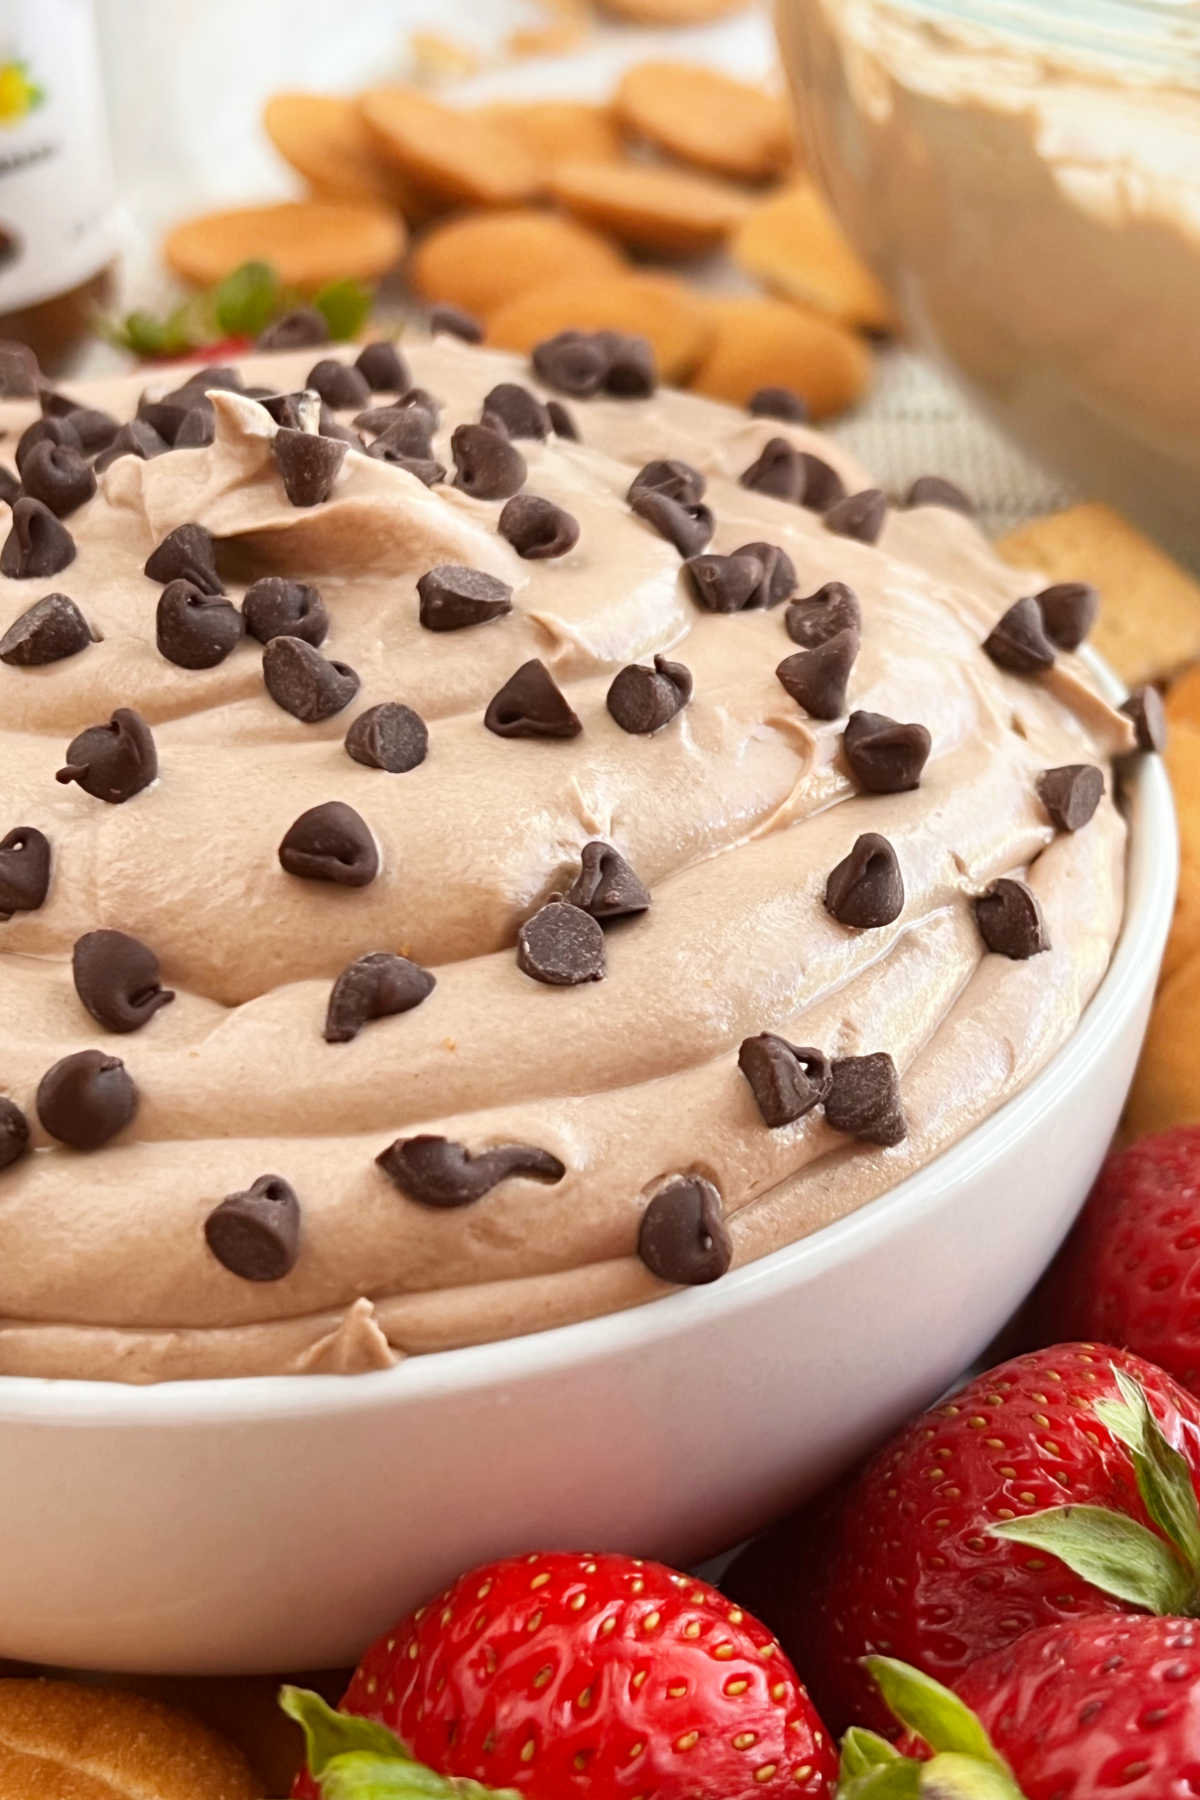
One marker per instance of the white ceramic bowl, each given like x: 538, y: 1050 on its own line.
x: 281, y: 1522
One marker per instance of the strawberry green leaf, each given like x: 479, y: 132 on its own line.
x: 142, y: 333
x: 1163, y: 1476
x: 1116, y: 1554
x: 863, y: 1750
x: 346, y: 306
x: 247, y: 300
x: 954, y: 1777
x: 899, y: 1779
x: 328, y: 1733
x: 931, y: 1712
x: 361, y: 1776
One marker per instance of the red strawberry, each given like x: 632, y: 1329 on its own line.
x: 563, y: 1674
x: 903, y: 1558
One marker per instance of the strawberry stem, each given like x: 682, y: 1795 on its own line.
x: 352, y: 1758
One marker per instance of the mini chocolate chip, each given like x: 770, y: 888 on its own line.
x: 406, y: 429
x: 1070, y: 794
x: 815, y: 618
x: 20, y: 376
x: 116, y: 977
x: 1010, y: 920
x: 425, y: 468
x: 330, y: 842
x: 606, y: 885
x: 537, y: 528
x: 1144, y: 706
x: 37, y: 545
x: 135, y: 438
x: 452, y: 597
x: 817, y: 679
x: 776, y: 470
x: 572, y: 361
x: 561, y: 421
x: 60, y: 477
x: 561, y: 945
x: 57, y: 432
x: 46, y: 632
x: 687, y: 525
x: 301, y: 411
x: 301, y: 329
x: 858, y: 516
x: 308, y: 464
x: 531, y: 704
x: 683, y: 1237
x: 420, y: 399
x: 521, y: 413
x: 216, y: 375
x: 866, y: 889
x: 375, y: 986
x: 14, y: 1133
x: 330, y: 426
x: 112, y: 762
x: 778, y: 573
x: 1018, y: 642
x: 94, y: 428
x: 631, y: 372
x: 455, y: 321
x: 669, y: 476
x: 167, y: 415
x: 643, y: 700
x: 435, y: 1171
x: 1069, y: 610
x: 885, y: 757
x: 787, y: 1080
x: 725, y: 584
x: 53, y: 402
x: 864, y: 1099
x: 256, y: 1234
x: 935, y: 490
x: 306, y: 684
x: 24, y: 870
x: 388, y: 736
x: 10, y: 485
x: 193, y: 629
x: 199, y: 428
x: 486, y: 465
x: 186, y: 554
x: 85, y: 1099
x: 382, y: 367
x: 778, y: 403
x: 339, y: 384
x: 275, y: 607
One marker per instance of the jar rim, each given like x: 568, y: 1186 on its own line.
x: 1159, y: 37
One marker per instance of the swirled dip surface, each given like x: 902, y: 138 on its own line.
x: 733, y: 814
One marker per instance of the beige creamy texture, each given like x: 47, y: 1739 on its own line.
x: 733, y: 815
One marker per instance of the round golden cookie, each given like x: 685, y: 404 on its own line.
x: 793, y: 244
x: 1182, y: 756
x: 761, y: 342
x: 672, y: 211
x: 483, y: 260
x: 62, y: 1741
x: 557, y: 130
x: 1166, y: 1088
x: 453, y: 152
x: 309, y: 242
x: 323, y: 137
x: 671, y: 315
x: 672, y: 12
x: 705, y: 117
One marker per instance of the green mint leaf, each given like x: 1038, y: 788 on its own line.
x: 142, y: 333
x: 862, y: 1750
x: 346, y: 306
x: 329, y: 1733
x: 247, y: 300
x: 1116, y: 1554
x: 1163, y: 1476
x: 954, y: 1777
x: 931, y: 1712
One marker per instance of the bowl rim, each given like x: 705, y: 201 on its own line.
x: 1152, y: 863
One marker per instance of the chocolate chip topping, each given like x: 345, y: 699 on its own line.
x: 817, y: 617
x: 85, y: 1099
x: 275, y: 607
x: 452, y: 597
x: 536, y: 528
x: 19, y: 371
x: 643, y: 700
x: 435, y: 1171
x: 687, y: 525
x: 1144, y: 706
x: 112, y: 762
x: 1010, y: 920
x: 10, y: 485
x: 561, y: 945
x: 306, y: 684
x: 486, y: 464
x: 1069, y: 609
x: 168, y: 414
x: 199, y: 428
x: 300, y: 410
x: 59, y: 476
x: 778, y: 573
x: 776, y: 470
x: 1071, y: 794
x: 339, y: 384
x: 725, y: 584
x: 137, y: 437
x: 426, y: 469
x: 562, y: 424
x: 94, y: 428
x: 935, y: 490
x: 14, y: 1133
x: 571, y: 361
x: 817, y: 679
x: 382, y: 367
x: 53, y: 402
x: 376, y: 986
x: 301, y: 329
x: 193, y: 629
x: 186, y: 554
x: 821, y: 485
x: 778, y: 403
x: 308, y: 464
x: 670, y: 476
x: 885, y: 757
x: 330, y: 842
x: 858, y: 516
x: 606, y: 885
x: 46, y: 632
x: 408, y: 428
x: 116, y: 977
x: 531, y: 704
x: 256, y: 1234
x: 24, y: 870
x: 520, y: 412
x: 37, y: 545
x: 683, y: 1237
x: 1018, y: 642
x: 56, y: 432
x: 866, y: 889
x: 864, y: 1099
x: 787, y: 1080
x: 388, y: 736
x: 455, y: 321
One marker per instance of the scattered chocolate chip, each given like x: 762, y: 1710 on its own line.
x: 199, y: 428
x: 537, y: 528
x: 60, y: 433
x: 301, y: 329
x: 112, y: 762
x: 452, y: 597
x: 308, y: 464
x: 521, y: 413
x: 864, y: 1099
x: 339, y: 384
x: 382, y: 367
x: 435, y: 1171
x: 866, y: 889
x: 193, y: 629
x: 10, y: 485
x: 486, y: 465
x: 24, y: 870
x: 816, y: 618
x: 531, y: 704
x: 687, y: 525
x: 59, y: 476
x: 643, y: 700
x: 167, y: 415
x: 606, y: 885
x: 683, y: 1237
x: 306, y: 684
x: 669, y: 476
x: 776, y: 470
x: 388, y: 736
x: 419, y: 399
x: 1010, y: 920
x: 817, y: 679
x: 37, y: 545
x: 820, y: 484
x: 787, y: 1080
x: 426, y: 469
x: 457, y: 322
x: 1069, y: 610
x: 330, y: 842
x: 935, y: 490
x: 216, y: 375
x: 1144, y: 706
x: 572, y: 361
x: 116, y: 977
x: 20, y: 375
x: 275, y: 607
x: 54, y: 403
x: 330, y: 426
x: 631, y: 372
x: 1070, y: 794
x: 300, y: 411
x: 14, y: 1128
x: 186, y: 554
x: 561, y: 422
x: 1018, y: 642
x: 94, y: 428
x: 561, y: 945
x: 46, y: 632
x: 725, y: 584
x: 858, y: 516
x: 405, y: 429
x: 375, y: 986
x: 85, y: 1099
x: 778, y: 573
x: 885, y: 757
x: 135, y: 438
x: 778, y: 403
x: 256, y: 1234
